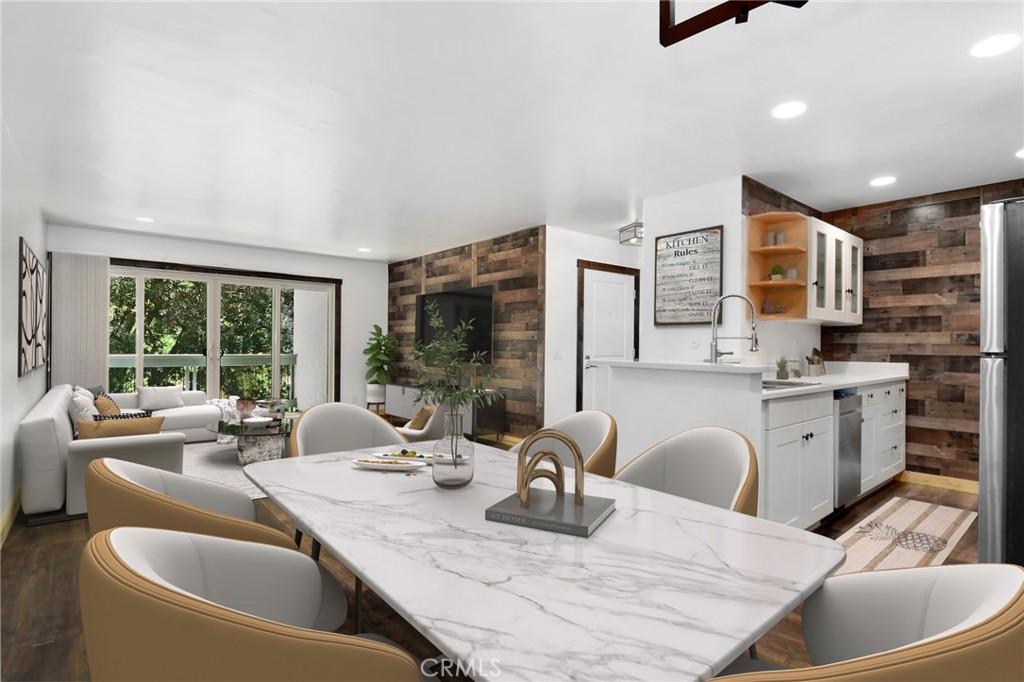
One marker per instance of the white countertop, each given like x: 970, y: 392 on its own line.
x: 845, y: 375
x: 721, y: 368
x: 667, y: 588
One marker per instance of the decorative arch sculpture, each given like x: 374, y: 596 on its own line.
x: 527, y: 470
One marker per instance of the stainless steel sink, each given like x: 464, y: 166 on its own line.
x: 778, y: 384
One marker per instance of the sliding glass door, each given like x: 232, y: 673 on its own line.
x: 227, y: 336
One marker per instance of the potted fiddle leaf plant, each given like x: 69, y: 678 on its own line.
x: 452, y: 378
x: 381, y: 351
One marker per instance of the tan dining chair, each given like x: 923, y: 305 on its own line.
x: 596, y: 434
x: 709, y: 464
x: 165, y: 605
x: 337, y: 427
x: 933, y: 624
x: 130, y: 494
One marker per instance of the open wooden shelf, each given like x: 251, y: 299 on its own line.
x: 779, y: 283
x: 779, y: 250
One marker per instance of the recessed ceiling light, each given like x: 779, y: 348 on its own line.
x: 363, y: 249
x: 144, y: 219
x: 995, y: 45
x: 789, y: 109
x: 882, y: 181
x: 1020, y: 154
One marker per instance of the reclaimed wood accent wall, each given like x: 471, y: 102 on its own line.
x: 514, y: 265
x: 922, y: 266
x: 760, y: 198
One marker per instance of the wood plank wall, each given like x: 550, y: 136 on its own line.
x: 514, y: 265
x: 922, y: 266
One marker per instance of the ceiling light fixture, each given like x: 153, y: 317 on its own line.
x: 1020, y: 153
x: 363, y: 249
x: 632, y: 234
x: 995, y: 45
x: 882, y: 181
x: 144, y: 219
x: 789, y: 109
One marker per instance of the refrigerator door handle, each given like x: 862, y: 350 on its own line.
x: 992, y: 462
x: 993, y: 278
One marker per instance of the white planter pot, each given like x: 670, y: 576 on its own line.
x: 375, y: 393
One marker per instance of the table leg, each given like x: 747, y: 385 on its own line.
x: 357, y: 619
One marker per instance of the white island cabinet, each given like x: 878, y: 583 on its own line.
x: 799, y: 460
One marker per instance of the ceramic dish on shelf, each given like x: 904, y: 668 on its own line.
x: 388, y: 464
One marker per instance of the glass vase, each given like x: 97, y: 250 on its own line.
x: 453, y: 455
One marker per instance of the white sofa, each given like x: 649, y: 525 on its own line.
x: 191, y: 419
x: 53, y: 463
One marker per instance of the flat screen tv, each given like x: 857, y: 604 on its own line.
x: 475, y: 304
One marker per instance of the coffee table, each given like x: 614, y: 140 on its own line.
x: 256, y: 442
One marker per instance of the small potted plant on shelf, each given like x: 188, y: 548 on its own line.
x: 452, y: 378
x: 380, y: 352
x: 782, y: 369
x: 777, y: 272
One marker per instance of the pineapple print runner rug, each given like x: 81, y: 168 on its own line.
x: 904, y: 533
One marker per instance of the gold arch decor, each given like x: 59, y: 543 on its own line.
x: 550, y: 510
x: 527, y: 471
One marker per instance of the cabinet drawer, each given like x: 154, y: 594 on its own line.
x: 873, y: 395
x: 892, y: 413
x: 801, y: 408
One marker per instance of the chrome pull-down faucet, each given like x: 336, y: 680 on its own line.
x: 715, y: 355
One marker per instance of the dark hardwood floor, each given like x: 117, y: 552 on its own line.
x: 42, y: 634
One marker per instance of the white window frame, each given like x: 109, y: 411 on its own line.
x: 214, y: 282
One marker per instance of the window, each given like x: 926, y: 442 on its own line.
x: 222, y: 335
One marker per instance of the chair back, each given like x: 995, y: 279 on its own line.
x: 335, y: 427
x: 596, y: 434
x: 160, y: 604
x: 961, y: 622
x: 709, y: 464
x: 122, y: 493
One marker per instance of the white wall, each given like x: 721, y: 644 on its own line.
x: 562, y: 249
x: 364, y: 292
x: 21, y: 217
x: 708, y: 205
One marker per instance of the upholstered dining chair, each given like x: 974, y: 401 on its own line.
x: 165, y: 605
x: 433, y: 429
x: 594, y: 431
x: 130, y: 494
x: 961, y: 622
x: 708, y: 464
x: 335, y: 427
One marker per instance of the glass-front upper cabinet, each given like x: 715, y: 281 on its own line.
x: 854, y: 279
x: 820, y: 288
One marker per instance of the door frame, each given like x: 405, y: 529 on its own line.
x: 582, y: 266
x: 184, y: 270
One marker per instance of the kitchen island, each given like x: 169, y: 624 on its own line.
x: 652, y: 401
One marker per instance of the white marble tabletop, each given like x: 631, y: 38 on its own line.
x: 666, y: 589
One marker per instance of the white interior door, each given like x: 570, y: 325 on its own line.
x: 608, y: 321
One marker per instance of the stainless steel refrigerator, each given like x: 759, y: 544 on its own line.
x: 1001, y: 453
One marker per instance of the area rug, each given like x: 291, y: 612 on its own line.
x: 904, y: 533
x: 217, y: 463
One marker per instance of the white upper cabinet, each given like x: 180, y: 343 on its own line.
x: 802, y: 268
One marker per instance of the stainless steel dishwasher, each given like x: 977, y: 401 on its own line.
x: 847, y: 415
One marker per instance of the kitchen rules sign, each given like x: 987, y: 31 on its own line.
x: 687, y: 276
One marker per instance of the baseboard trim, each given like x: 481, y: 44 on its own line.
x: 961, y: 485
x: 11, y: 513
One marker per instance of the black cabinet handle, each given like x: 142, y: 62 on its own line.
x: 888, y: 392
x: 895, y: 411
x: 811, y: 435
x: 871, y: 395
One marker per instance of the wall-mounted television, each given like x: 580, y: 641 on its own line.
x: 476, y: 304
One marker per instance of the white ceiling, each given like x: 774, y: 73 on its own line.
x: 406, y: 128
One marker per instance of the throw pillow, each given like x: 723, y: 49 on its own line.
x: 81, y: 408
x: 137, y: 414
x: 422, y: 417
x: 106, y: 407
x: 119, y: 427
x: 96, y: 391
x: 160, y: 397
x: 84, y: 392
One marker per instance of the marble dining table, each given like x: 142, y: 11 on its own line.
x: 666, y: 589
